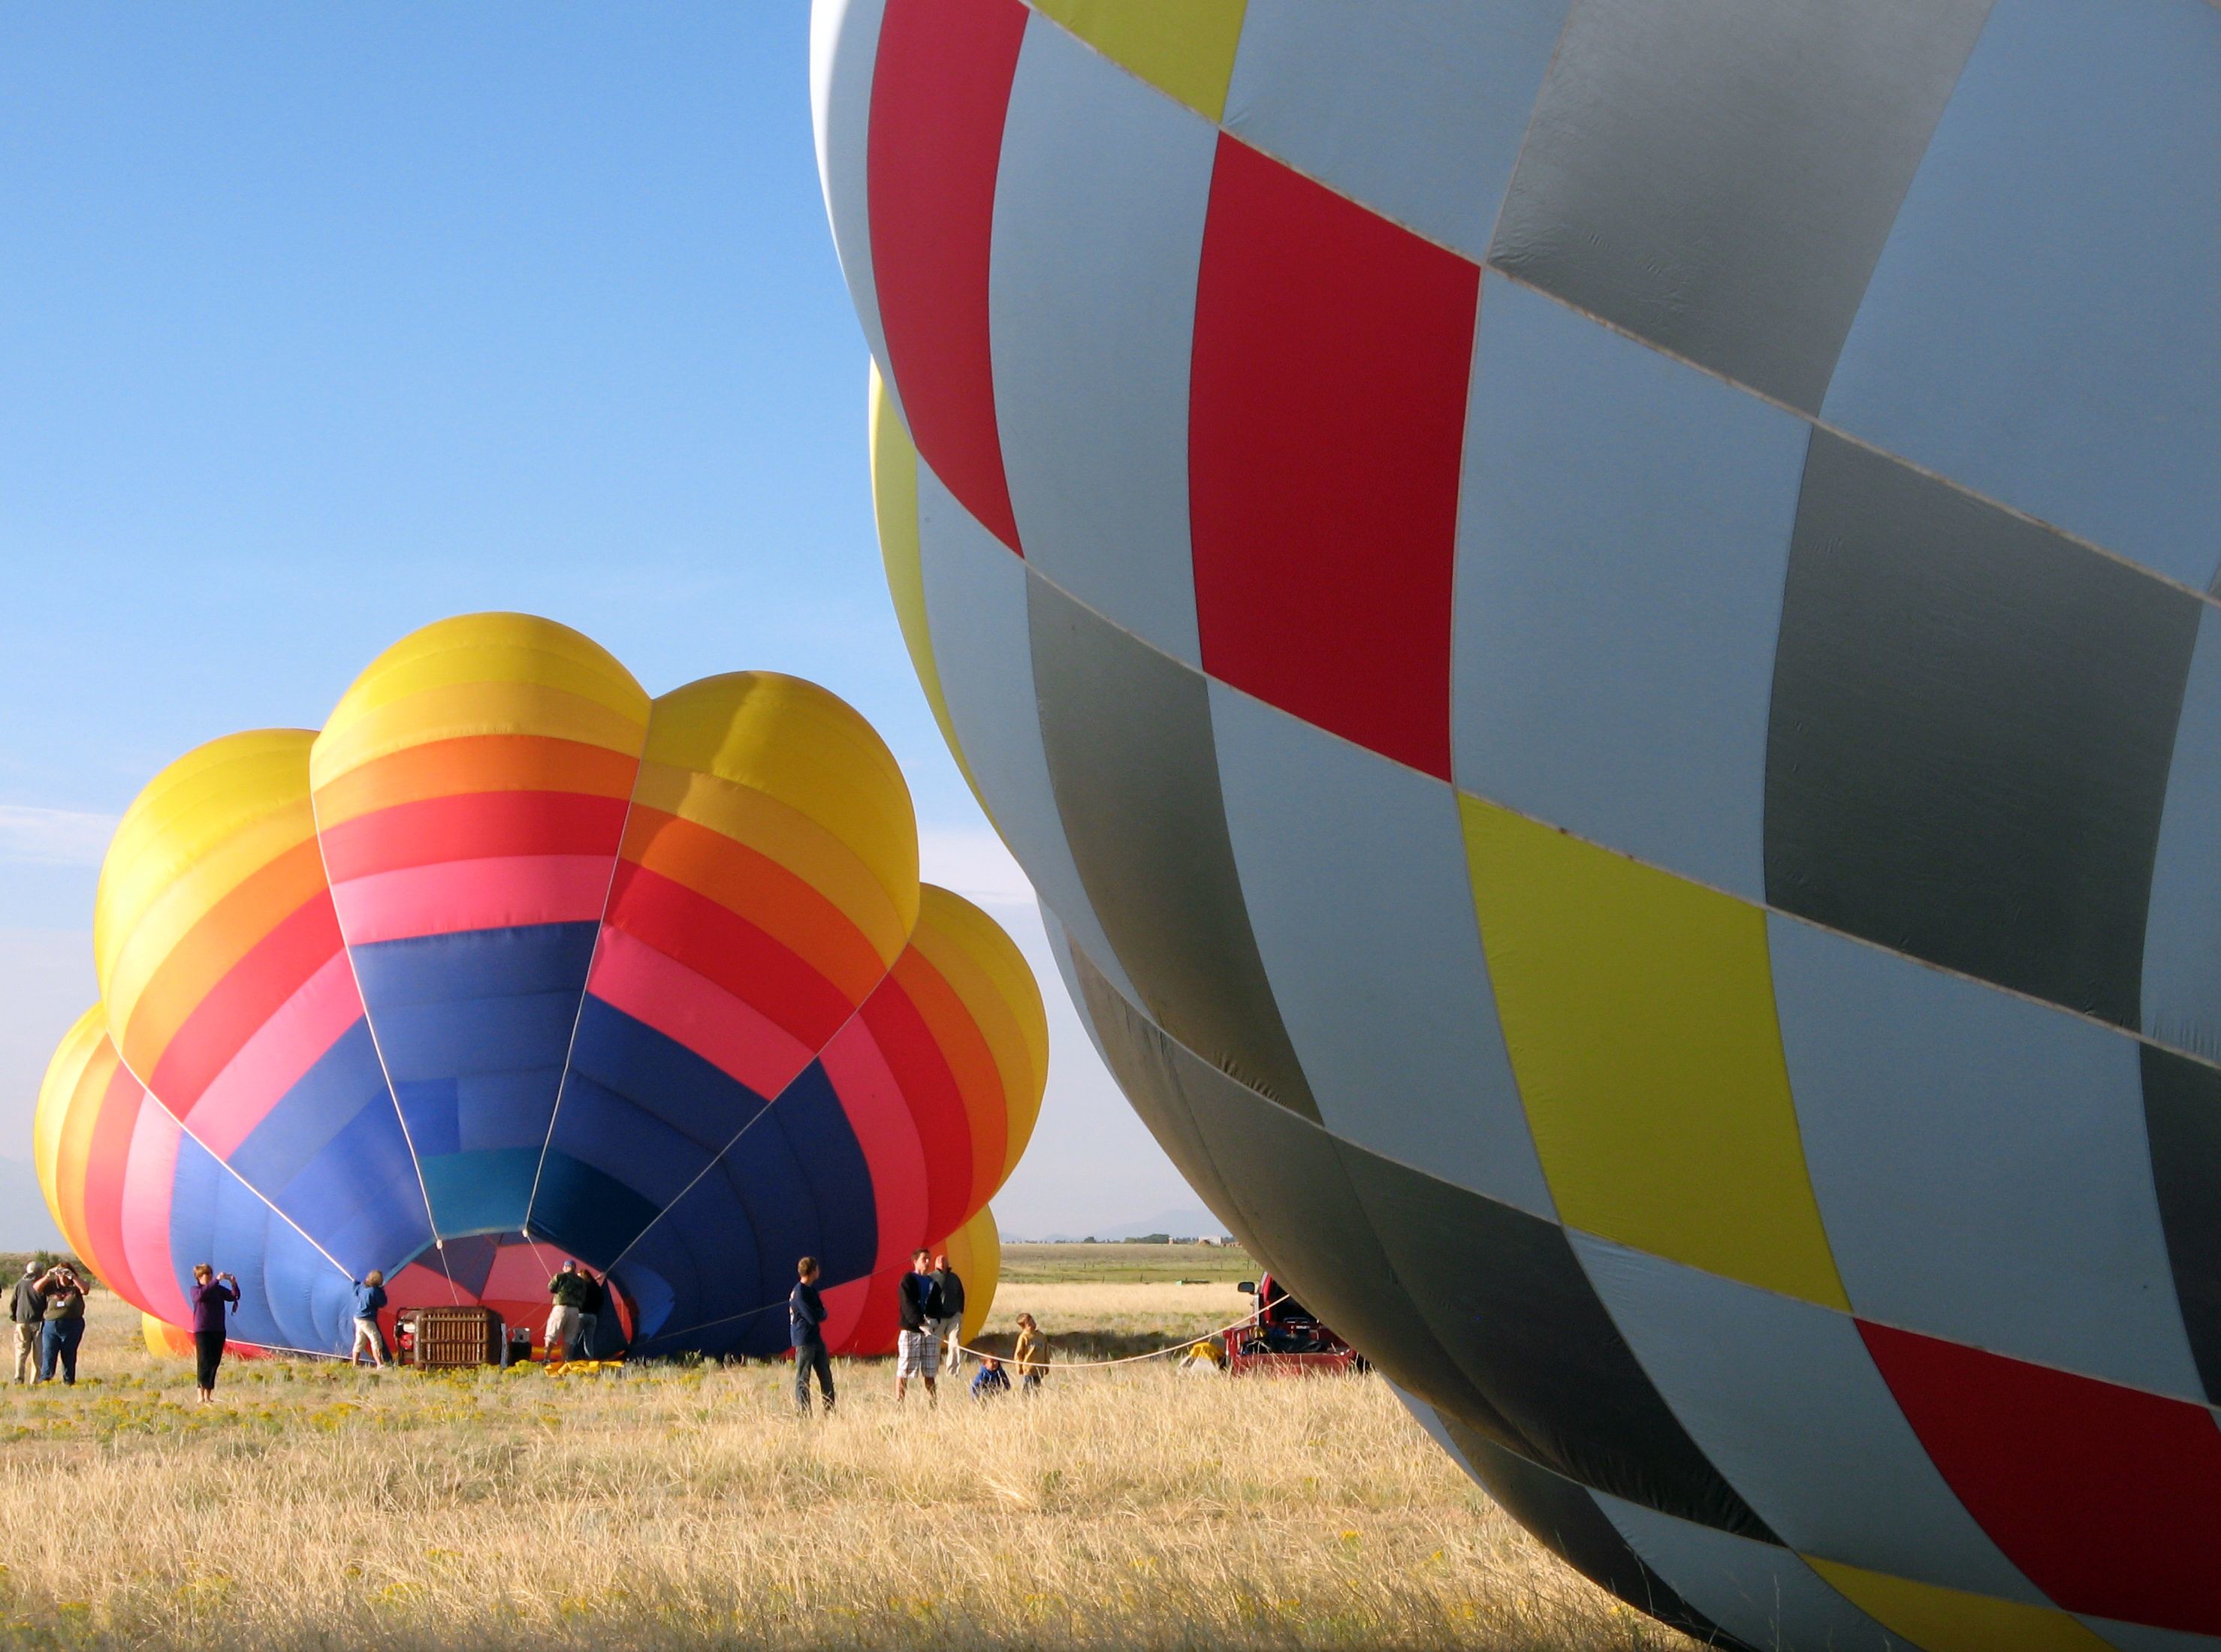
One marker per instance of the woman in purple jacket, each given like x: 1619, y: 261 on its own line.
x: 211, y: 1292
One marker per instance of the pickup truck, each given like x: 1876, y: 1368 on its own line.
x: 1285, y: 1339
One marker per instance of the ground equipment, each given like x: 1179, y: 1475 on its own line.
x: 1285, y: 1339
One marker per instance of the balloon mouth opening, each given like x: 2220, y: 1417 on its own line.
x: 505, y: 1270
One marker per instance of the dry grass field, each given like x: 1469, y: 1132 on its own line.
x: 679, y: 1506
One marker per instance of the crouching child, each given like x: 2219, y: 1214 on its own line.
x: 991, y: 1380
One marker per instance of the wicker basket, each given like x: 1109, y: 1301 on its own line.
x: 447, y: 1337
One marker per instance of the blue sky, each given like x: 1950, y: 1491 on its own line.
x: 321, y: 322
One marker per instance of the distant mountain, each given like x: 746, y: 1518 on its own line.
x: 1189, y: 1222
x: 25, y: 1224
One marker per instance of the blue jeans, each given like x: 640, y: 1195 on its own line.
x: 58, y: 1340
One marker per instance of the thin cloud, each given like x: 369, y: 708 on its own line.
x: 30, y: 835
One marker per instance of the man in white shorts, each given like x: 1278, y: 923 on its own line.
x: 917, y: 1305
x: 369, y: 1303
x: 568, y: 1295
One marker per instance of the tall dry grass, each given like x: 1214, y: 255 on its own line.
x: 313, y: 1507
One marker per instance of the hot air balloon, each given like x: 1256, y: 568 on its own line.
x: 510, y: 963
x: 1593, y: 619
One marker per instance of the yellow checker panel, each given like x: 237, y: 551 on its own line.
x: 1183, y: 47
x: 1638, y: 1009
x: 1937, y: 1619
x: 894, y: 502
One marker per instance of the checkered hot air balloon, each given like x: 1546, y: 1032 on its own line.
x: 511, y: 963
x: 1593, y: 619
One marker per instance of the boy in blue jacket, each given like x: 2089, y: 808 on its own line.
x: 369, y: 1298
x: 805, y: 1316
x: 991, y: 1380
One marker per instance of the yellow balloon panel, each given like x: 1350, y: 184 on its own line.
x: 894, y: 504
x: 199, y: 830
x: 984, y: 968
x: 975, y: 1250
x: 796, y: 774
x: 483, y: 674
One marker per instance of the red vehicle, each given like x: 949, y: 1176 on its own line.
x: 1285, y: 1339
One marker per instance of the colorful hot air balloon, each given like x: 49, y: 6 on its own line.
x: 1593, y: 618
x: 511, y: 963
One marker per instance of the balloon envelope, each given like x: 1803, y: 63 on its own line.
x: 509, y: 963
x: 1592, y: 621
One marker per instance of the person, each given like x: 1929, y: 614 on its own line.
x: 805, y: 1316
x: 991, y: 1380
x: 948, y: 1325
x: 27, y: 1309
x: 64, y: 1326
x: 1030, y: 1353
x: 917, y: 1305
x: 369, y: 1298
x: 589, y: 1313
x: 568, y: 1290
x: 211, y: 1292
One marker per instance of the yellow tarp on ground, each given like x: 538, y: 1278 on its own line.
x: 568, y: 1367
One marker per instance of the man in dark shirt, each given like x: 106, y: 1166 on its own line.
x: 917, y: 1304
x: 65, y: 1327
x: 805, y: 1316
x: 948, y: 1321
x: 27, y: 1309
x: 566, y: 1290
x: 589, y: 1313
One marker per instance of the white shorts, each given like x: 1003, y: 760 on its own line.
x: 367, y: 1335
x: 916, y: 1352
x: 562, y: 1331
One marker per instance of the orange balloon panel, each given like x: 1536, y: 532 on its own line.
x: 167, y: 1340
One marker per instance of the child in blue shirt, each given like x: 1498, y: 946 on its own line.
x: 989, y: 1381
x: 369, y: 1298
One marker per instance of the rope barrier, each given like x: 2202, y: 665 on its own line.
x: 1181, y: 1347
x: 1124, y: 1359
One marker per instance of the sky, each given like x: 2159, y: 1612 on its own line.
x: 318, y: 323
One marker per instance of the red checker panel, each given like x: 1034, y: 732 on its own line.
x: 1326, y: 428
x: 940, y: 91
x: 2108, y: 1498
